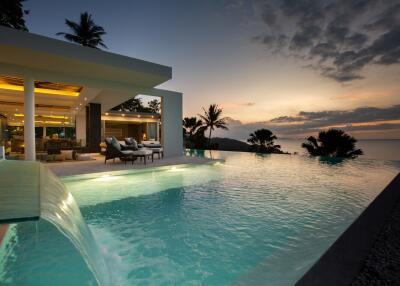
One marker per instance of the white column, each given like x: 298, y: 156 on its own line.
x: 29, y: 119
x: 80, y: 126
x: 171, y: 124
x: 158, y: 131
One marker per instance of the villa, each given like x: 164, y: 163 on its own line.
x: 49, y: 87
x: 203, y: 217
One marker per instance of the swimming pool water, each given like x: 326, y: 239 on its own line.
x: 253, y: 220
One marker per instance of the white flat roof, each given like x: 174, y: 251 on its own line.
x: 22, y: 51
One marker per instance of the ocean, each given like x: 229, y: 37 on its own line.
x: 373, y: 149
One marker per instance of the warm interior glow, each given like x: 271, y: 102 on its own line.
x: 40, y: 90
x: 53, y: 122
x: 48, y: 116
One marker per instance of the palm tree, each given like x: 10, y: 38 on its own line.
x: 12, y: 14
x: 191, y: 125
x: 85, y: 33
x: 131, y: 105
x: 262, y: 140
x: 212, y: 119
x: 154, y: 106
x: 332, y: 143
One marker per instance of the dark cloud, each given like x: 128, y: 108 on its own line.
x: 338, y: 37
x: 326, y: 118
x: 386, y: 20
x: 304, y: 38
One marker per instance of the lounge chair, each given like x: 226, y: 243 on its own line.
x: 138, y: 150
x: 131, y: 144
x: 115, y: 150
x: 155, y: 146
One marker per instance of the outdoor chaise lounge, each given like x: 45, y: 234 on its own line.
x: 125, y: 152
x: 138, y: 149
x: 115, y: 150
x: 154, y: 146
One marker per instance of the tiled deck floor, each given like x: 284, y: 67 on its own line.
x: 69, y: 168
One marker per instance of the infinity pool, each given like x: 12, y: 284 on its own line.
x: 251, y: 220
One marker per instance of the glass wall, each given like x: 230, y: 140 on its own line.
x: 152, y: 131
x: 60, y: 132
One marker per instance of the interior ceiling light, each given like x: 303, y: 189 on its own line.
x: 41, y: 115
x: 15, y: 83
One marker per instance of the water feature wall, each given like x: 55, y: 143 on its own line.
x: 59, y: 208
x: 29, y: 190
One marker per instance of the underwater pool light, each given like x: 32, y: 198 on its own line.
x: 106, y: 177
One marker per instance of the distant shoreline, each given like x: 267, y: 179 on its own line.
x: 377, y: 149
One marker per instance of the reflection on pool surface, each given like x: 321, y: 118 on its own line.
x: 252, y: 218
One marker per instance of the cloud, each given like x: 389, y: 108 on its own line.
x: 306, y: 122
x: 236, y: 105
x: 338, y: 38
x: 326, y: 118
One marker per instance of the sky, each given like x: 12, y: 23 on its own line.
x: 292, y: 66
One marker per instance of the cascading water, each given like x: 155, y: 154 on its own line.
x: 60, y: 209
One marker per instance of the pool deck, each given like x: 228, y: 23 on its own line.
x: 368, y: 252
x: 70, y: 168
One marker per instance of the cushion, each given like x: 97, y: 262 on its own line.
x: 131, y: 143
x: 68, y: 154
x: 127, y: 152
x: 152, y: 145
x: 50, y: 157
x: 59, y: 157
x: 142, y: 152
x: 150, y: 142
x: 83, y: 157
x: 116, y: 144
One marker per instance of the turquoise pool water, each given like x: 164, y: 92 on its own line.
x: 252, y: 220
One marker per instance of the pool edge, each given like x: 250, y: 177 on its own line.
x: 344, y: 259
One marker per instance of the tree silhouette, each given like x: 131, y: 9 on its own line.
x: 136, y: 105
x: 212, y: 118
x: 85, y: 33
x: 191, y: 125
x: 262, y: 140
x: 131, y: 105
x: 12, y: 14
x: 193, y: 131
x: 154, y: 106
x: 332, y: 143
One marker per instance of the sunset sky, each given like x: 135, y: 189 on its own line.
x: 293, y: 66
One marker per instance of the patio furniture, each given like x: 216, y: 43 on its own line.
x: 115, y: 150
x: 155, y: 146
x: 83, y: 157
x: 158, y: 151
x: 143, y: 153
x: 2, y: 153
x: 131, y: 144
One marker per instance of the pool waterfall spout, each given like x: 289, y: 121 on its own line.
x: 30, y: 191
x: 60, y: 209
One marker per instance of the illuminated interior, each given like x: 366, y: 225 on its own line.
x: 15, y: 83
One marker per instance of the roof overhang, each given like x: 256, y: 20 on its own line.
x: 100, y: 76
x: 20, y: 50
